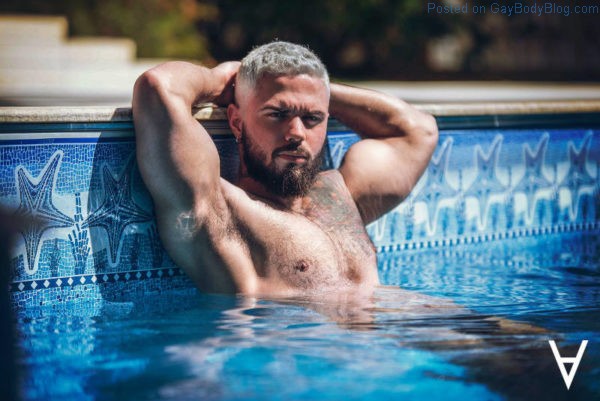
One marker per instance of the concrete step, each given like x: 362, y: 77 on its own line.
x: 17, y: 30
x: 40, y: 65
x: 98, y: 51
x: 81, y: 52
x: 97, y: 85
x: 31, y: 55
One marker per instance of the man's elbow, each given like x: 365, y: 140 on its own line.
x: 430, y: 130
x: 422, y: 131
x: 415, y: 124
x: 149, y: 83
x: 159, y: 82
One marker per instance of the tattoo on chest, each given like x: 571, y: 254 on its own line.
x: 330, y: 206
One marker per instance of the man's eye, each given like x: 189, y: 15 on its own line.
x: 278, y: 115
x: 312, y: 119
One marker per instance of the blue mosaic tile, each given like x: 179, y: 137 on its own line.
x: 500, y: 182
x: 98, y: 240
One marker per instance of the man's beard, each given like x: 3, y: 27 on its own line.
x: 294, y: 181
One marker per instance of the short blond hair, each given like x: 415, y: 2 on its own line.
x: 279, y: 58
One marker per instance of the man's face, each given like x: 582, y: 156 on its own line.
x: 294, y: 179
x: 283, y: 124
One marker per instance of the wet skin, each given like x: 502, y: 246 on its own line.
x: 314, y: 242
x: 243, y: 237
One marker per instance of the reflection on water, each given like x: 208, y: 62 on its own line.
x: 468, y: 324
x: 398, y: 343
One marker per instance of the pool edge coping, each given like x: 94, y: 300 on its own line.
x: 69, y: 114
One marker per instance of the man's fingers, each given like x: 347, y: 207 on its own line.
x: 227, y: 71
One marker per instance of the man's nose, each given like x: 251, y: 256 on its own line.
x: 296, y: 131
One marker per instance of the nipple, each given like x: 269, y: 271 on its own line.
x: 301, y: 266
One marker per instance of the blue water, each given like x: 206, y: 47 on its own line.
x: 444, y: 327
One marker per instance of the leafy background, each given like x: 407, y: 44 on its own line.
x: 357, y: 39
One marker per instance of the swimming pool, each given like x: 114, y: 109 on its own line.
x: 504, y: 224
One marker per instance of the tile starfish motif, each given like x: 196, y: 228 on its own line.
x: 338, y: 150
x: 486, y: 183
x: 578, y: 175
x: 533, y: 179
x: 436, y: 187
x: 118, y: 209
x: 36, y: 206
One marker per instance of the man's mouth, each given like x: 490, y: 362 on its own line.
x: 293, y: 156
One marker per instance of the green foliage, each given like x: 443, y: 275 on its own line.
x: 353, y: 37
x: 374, y: 39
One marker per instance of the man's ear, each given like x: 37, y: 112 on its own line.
x: 235, y: 120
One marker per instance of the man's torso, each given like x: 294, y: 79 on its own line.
x: 267, y: 251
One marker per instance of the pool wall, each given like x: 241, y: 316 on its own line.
x: 500, y: 172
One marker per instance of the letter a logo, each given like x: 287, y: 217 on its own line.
x: 560, y: 361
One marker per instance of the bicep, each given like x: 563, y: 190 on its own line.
x: 381, y: 173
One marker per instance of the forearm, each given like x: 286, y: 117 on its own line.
x: 184, y: 82
x: 381, y: 170
x: 376, y: 115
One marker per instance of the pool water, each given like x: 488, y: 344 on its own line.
x: 469, y: 322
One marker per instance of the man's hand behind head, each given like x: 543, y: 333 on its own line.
x: 225, y: 74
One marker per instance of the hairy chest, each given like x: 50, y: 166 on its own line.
x: 324, y: 245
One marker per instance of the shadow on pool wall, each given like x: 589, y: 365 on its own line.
x: 125, y: 245
x: 8, y: 372
x: 493, y: 178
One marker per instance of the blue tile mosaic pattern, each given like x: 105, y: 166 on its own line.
x: 486, y: 185
x: 97, y: 239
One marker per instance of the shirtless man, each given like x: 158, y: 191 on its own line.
x: 285, y: 228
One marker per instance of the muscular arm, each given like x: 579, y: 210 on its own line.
x: 180, y: 164
x: 173, y: 147
x: 398, y: 141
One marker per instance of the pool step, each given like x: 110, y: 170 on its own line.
x: 39, y: 64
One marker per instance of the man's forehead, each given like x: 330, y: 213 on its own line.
x: 290, y: 90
